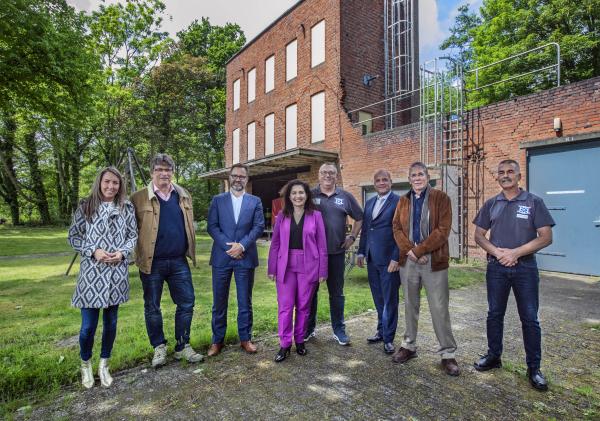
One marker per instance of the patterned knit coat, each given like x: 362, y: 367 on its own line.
x: 100, y: 285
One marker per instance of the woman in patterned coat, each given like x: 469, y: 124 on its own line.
x: 104, y: 233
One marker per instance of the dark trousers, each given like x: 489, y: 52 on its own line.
x: 221, y: 281
x: 89, y: 323
x: 176, y: 272
x: 335, y: 285
x: 384, y: 288
x: 524, y: 280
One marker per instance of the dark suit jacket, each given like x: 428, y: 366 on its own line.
x: 377, y: 242
x: 223, y: 229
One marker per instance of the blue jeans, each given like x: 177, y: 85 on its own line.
x: 384, y: 289
x: 244, y: 282
x: 177, y: 273
x: 523, y: 279
x: 336, y: 265
x: 89, y: 323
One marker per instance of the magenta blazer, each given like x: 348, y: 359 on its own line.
x: 314, y: 243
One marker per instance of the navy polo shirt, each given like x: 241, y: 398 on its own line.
x: 335, y: 209
x: 515, y: 222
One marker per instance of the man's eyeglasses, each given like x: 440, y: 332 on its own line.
x: 161, y: 169
x: 238, y: 177
x: 328, y: 173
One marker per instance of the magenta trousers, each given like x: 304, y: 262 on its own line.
x: 294, y: 291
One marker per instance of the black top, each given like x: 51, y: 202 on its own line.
x: 296, y: 233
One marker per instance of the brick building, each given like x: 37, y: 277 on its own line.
x: 291, y: 88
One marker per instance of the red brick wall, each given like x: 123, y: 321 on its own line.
x: 495, y: 132
x: 324, y: 77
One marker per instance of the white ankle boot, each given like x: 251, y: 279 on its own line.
x: 105, y: 377
x: 87, y: 376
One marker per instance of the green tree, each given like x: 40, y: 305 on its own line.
x: 461, y: 36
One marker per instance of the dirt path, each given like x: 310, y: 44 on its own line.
x: 361, y: 382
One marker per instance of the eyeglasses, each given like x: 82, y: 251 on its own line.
x: 162, y: 169
x: 238, y: 177
x: 328, y: 173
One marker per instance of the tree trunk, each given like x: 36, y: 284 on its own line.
x: 37, y: 183
x: 8, y: 189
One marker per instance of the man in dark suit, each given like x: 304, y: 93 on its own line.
x: 379, y: 249
x: 235, y: 222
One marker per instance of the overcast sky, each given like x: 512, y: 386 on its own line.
x: 254, y: 15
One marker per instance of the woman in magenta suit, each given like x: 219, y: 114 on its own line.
x: 297, y: 261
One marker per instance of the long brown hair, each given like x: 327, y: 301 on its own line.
x: 288, y: 207
x: 90, y: 204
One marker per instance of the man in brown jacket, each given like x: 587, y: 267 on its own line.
x: 421, y: 228
x: 166, y: 236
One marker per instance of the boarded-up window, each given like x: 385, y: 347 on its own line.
x: 365, y: 121
x: 251, y: 141
x: 236, y: 146
x: 291, y: 126
x: 291, y: 60
x: 236, y: 94
x: 269, y: 134
x: 270, y: 74
x: 317, y: 117
x: 317, y: 44
x: 251, y: 85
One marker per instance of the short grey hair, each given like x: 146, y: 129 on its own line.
x: 418, y: 164
x: 162, y: 159
x: 510, y: 162
x: 381, y: 171
x: 329, y: 164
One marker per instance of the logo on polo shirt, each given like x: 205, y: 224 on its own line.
x: 339, y: 201
x: 523, y: 212
x: 317, y: 201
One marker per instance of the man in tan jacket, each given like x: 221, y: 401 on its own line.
x: 421, y: 228
x: 165, y: 223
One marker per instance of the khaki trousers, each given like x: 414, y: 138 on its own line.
x: 415, y: 276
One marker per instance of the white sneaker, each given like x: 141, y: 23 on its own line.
x: 87, y: 376
x: 105, y: 377
x: 160, y: 356
x: 188, y: 354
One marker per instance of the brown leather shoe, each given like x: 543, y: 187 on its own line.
x: 450, y: 366
x: 403, y: 355
x: 248, y: 346
x: 214, y: 350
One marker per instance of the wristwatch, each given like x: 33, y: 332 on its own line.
x: 351, y: 236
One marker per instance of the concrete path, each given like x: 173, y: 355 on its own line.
x: 360, y: 381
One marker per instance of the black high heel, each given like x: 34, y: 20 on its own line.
x: 282, y: 354
x: 301, y: 349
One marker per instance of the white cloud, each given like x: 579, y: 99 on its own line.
x: 430, y: 33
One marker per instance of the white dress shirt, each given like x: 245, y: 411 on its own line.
x: 237, y: 205
x: 379, y: 204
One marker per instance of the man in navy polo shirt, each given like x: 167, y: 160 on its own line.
x: 336, y: 205
x: 519, y: 225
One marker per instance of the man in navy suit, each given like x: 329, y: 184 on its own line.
x: 378, y: 247
x: 235, y: 222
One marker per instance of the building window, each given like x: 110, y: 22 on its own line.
x: 251, y: 133
x: 291, y: 126
x: 317, y: 44
x: 236, y: 95
x: 251, y: 85
x: 270, y: 134
x: 317, y: 117
x: 236, y: 146
x: 291, y: 60
x: 270, y: 74
x: 366, y: 122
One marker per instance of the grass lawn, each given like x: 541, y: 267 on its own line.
x: 27, y: 240
x: 39, y: 328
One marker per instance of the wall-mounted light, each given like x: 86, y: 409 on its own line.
x: 368, y: 79
x: 557, y: 125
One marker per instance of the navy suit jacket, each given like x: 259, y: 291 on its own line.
x: 223, y: 229
x: 377, y: 242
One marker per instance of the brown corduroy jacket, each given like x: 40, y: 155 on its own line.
x: 440, y: 222
x: 147, y: 214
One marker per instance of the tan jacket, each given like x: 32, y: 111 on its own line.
x: 147, y: 214
x: 440, y: 222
